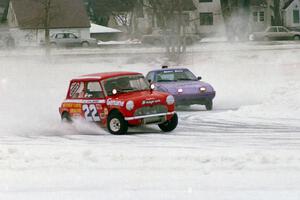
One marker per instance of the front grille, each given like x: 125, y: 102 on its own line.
x: 150, y: 110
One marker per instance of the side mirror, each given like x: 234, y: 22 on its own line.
x: 199, y: 78
x: 149, y: 80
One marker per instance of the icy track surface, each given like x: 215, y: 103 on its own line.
x: 248, y: 148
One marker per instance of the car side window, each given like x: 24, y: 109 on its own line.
x: 272, y: 29
x: 77, y: 90
x: 60, y: 36
x: 150, y: 76
x: 281, y: 29
x: 72, y: 36
x: 94, y: 90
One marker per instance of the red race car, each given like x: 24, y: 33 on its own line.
x: 118, y: 100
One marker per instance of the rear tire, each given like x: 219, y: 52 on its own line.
x: 66, y: 118
x: 169, y: 125
x: 297, y: 37
x: 209, y: 105
x: 85, y: 44
x: 116, y: 124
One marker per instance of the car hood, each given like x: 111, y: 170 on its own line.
x: 186, y: 86
x: 140, y: 98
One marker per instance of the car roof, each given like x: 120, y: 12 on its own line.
x: 104, y: 75
x: 168, y: 69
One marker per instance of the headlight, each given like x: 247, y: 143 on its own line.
x: 170, y: 100
x: 180, y: 90
x: 202, y: 89
x: 129, y: 105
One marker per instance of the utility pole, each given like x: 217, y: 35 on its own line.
x: 47, y: 6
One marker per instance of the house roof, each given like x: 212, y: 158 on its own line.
x: 287, y: 4
x: 62, y: 13
x: 95, y: 28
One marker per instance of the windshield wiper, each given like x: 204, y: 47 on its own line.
x: 166, y: 80
x: 185, y: 79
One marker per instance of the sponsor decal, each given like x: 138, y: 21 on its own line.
x: 78, y: 101
x: 111, y: 102
x: 76, y: 110
x: 144, y: 102
x: 90, y: 112
x: 71, y: 105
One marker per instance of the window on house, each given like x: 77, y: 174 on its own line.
x: 206, y: 19
x: 258, y: 16
x: 204, y: 1
x: 296, y: 16
x: 261, y: 16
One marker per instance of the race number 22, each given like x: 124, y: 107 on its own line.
x: 90, y: 112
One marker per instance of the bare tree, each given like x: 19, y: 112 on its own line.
x: 100, y: 11
x: 170, y: 16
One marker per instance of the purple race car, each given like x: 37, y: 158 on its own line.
x: 183, y: 85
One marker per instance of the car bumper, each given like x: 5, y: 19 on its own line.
x: 150, y: 119
x: 188, y: 99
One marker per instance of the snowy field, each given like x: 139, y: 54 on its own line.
x: 247, y: 148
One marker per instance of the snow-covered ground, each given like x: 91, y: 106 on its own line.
x: 247, y: 148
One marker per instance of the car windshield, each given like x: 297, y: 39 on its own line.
x: 124, y: 84
x: 175, y: 75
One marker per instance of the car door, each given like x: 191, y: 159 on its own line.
x: 73, y: 40
x: 272, y: 33
x: 93, y: 103
x: 60, y: 39
x: 283, y: 33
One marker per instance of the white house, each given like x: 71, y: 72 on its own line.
x: 291, y: 13
x: 210, y: 17
x: 25, y: 19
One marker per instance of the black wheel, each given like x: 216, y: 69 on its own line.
x: 170, y: 125
x: 116, y: 124
x: 209, y: 105
x: 66, y: 118
x: 85, y: 44
x: 296, y: 37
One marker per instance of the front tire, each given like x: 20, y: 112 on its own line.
x: 116, y: 124
x: 209, y: 105
x: 169, y: 125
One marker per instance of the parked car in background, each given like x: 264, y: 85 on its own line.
x: 117, y: 100
x: 275, y: 33
x: 67, y: 39
x: 186, y: 88
x: 159, y: 37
